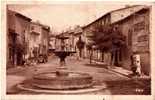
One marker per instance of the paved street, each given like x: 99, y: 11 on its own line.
x: 116, y: 83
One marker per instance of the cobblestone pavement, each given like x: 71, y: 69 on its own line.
x: 117, y: 83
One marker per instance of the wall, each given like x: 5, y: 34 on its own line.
x: 23, y: 29
x: 45, y: 38
x: 18, y: 25
x: 52, y: 43
x: 10, y: 43
x: 126, y: 29
x: 35, y: 35
x: 141, y: 44
x: 138, y: 27
x: 11, y: 20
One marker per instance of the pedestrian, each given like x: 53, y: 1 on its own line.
x: 135, y: 65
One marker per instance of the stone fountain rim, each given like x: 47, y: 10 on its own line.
x: 84, y: 90
x: 83, y: 75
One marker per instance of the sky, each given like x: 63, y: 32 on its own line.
x: 61, y: 16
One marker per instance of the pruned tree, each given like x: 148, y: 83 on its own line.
x: 107, y: 39
x: 80, y: 45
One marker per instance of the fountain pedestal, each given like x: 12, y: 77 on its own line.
x: 62, y: 73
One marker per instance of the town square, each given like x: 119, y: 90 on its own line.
x: 80, y: 49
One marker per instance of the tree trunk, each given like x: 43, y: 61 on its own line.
x: 91, y: 54
x: 113, y: 57
x: 102, y: 59
x: 118, y: 58
x: 80, y: 52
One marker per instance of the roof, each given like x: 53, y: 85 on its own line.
x: 96, y: 20
x: 36, y: 23
x: 78, y: 30
x: 124, y: 8
x: 129, y: 15
x: 125, y: 13
x: 142, y: 7
x: 22, y: 16
x: 46, y: 27
x: 19, y: 15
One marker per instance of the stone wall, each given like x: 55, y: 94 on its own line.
x: 136, y: 30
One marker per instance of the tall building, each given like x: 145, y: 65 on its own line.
x: 34, y: 38
x: 45, y: 39
x: 38, y: 38
x: 18, y: 27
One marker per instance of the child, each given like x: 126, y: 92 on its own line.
x: 135, y: 64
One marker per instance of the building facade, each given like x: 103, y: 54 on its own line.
x: 136, y: 28
x: 134, y: 23
x: 44, y: 40
x: 18, y: 27
x: 38, y: 38
x: 34, y: 38
x: 52, y: 42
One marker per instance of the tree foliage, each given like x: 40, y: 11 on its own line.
x: 107, y: 38
x: 80, y: 44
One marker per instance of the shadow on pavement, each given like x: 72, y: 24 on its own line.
x: 97, y: 65
x: 128, y: 87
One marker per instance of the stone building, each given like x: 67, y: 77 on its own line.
x: 52, y: 42
x: 18, y: 27
x: 34, y: 38
x: 44, y: 40
x: 38, y: 38
x: 73, y: 37
x: 134, y: 23
x: 88, y: 32
x: 136, y: 28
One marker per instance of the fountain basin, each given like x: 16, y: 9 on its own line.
x: 63, y: 54
x: 63, y: 80
x: 53, y: 83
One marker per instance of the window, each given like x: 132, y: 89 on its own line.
x: 139, y: 26
x: 143, y: 38
x: 130, y: 37
x: 102, y: 22
x: 32, y: 27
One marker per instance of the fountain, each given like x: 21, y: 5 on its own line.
x: 62, y: 80
x: 62, y: 53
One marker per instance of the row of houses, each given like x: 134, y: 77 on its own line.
x: 134, y: 23
x: 72, y: 35
x: 25, y: 38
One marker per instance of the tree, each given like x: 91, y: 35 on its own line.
x: 80, y: 45
x: 107, y: 39
x: 90, y: 49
